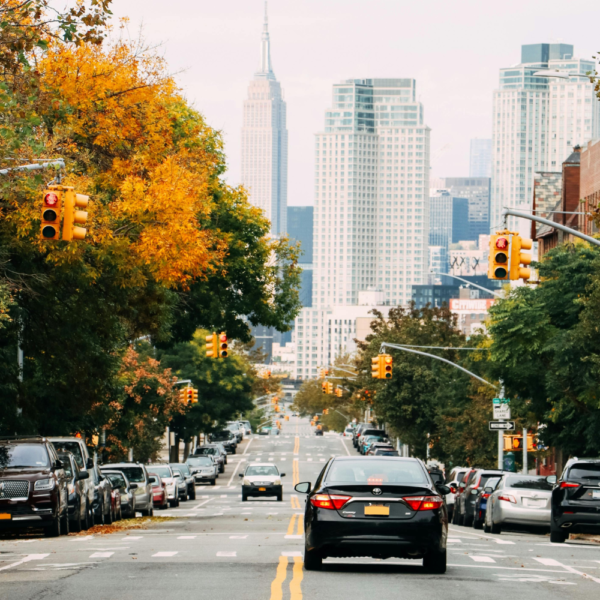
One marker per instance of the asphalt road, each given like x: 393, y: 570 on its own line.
x: 218, y: 547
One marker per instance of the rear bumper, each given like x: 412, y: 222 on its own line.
x: 524, y: 516
x: 578, y: 522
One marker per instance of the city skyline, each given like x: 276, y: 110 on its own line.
x: 314, y: 50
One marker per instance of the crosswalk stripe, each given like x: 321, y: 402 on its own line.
x: 483, y: 559
x: 164, y: 554
x: 101, y: 555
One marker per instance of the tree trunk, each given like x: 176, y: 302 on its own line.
x: 186, y: 450
x: 174, y: 456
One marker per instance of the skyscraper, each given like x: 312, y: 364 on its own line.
x: 477, y: 191
x: 300, y: 229
x: 448, y: 219
x: 537, y: 121
x: 480, y: 163
x: 265, y: 141
x: 371, y: 193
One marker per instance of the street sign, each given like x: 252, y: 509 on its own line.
x: 501, y: 401
x: 502, y: 425
x: 501, y: 411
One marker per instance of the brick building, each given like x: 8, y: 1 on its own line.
x: 589, y: 185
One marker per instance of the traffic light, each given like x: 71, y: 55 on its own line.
x: 498, y: 257
x: 329, y: 387
x: 72, y: 216
x: 212, y: 347
x: 182, y: 396
x: 325, y: 411
x: 51, y: 205
x: 194, y: 396
x: 338, y: 392
x: 517, y: 258
x: 189, y: 395
x: 223, y: 352
x: 324, y: 387
x: 375, y: 367
x: 387, y: 362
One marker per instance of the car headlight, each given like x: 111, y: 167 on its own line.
x: 246, y: 481
x: 44, y: 484
x: 277, y: 482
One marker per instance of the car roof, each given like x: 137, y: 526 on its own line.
x: 28, y: 439
x: 65, y: 438
x: 263, y: 464
x: 351, y: 458
x: 123, y: 464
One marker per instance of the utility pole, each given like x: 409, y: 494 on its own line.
x: 501, y: 436
x: 525, y: 457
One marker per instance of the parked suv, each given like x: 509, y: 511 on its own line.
x: 227, y: 438
x: 137, y: 473
x: 33, y: 486
x: 215, y: 452
x: 575, y: 504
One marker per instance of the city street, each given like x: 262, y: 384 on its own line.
x: 219, y: 547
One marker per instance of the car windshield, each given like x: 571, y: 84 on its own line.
x: 260, y: 471
x: 199, y: 461
x: 177, y: 474
x: 73, y: 447
x: 116, y: 479
x: 13, y: 456
x: 375, y: 472
x: 153, y: 480
x: 207, y: 451
x: 66, y: 465
x: 184, y: 469
x: 134, y: 474
x: 485, y: 478
x: 585, y: 471
x: 160, y: 470
x: 222, y: 435
x: 492, y: 482
x: 460, y: 476
x: 528, y: 483
x: 387, y: 453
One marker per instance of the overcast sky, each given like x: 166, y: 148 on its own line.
x: 453, y: 48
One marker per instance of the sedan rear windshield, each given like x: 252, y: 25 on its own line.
x: 222, y: 435
x: 134, y: 474
x: 589, y: 471
x: 200, y: 461
x: 161, y: 471
x: 116, y: 480
x: 23, y: 455
x: 181, y: 467
x: 73, y: 447
x: 368, y: 432
x: 201, y: 451
x: 376, y: 472
x: 528, y: 483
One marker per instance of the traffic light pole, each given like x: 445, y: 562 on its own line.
x: 509, y: 212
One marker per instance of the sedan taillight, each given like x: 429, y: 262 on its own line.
x: 507, y: 498
x: 424, y: 502
x: 329, y: 501
x: 567, y: 484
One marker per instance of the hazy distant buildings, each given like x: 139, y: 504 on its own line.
x: 480, y: 164
x: 537, y: 121
x: 265, y: 142
x: 300, y: 229
x: 477, y: 191
x: 448, y: 219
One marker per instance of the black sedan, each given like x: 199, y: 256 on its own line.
x: 381, y: 507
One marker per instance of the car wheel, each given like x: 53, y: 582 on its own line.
x: 477, y: 524
x: 222, y: 469
x: 76, y: 525
x: 213, y: 482
x: 467, y: 521
x: 174, y: 503
x: 435, y: 561
x: 244, y: 497
x: 64, y: 526
x: 280, y: 497
x: 193, y: 493
x: 486, y: 528
x: 108, y: 519
x: 460, y: 519
x: 151, y: 510
x: 54, y: 529
x: 313, y: 561
x: 496, y: 528
x: 99, y: 518
x: 89, y: 517
x: 120, y: 517
x: 557, y: 536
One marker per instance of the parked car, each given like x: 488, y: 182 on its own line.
x: 102, y: 504
x: 76, y: 446
x: 371, y: 439
x: 33, y: 486
x: 247, y: 427
x: 575, y: 505
x: 138, y: 474
x: 457, y: 513
x: 190, y: 483
x: 453, y: 481
x: 274, y: 431
x: 466, y: 501
x: 223, y: 451
x: 481, y: 501
x: 264, y: 431
x: 203, y: 468
x: 236, y: 429
x: 119, y: 481
x: 519, y: 500
x: 166, y: 474
x: 369, y: 432
x: 380, y: 507
x: 160, y: 497
x: 348, y: 432
x: 181, y: 484
x: 79, y: 517
x: 227, y: 438
x: 319, y: 430
x: 385, y: 451
x: 115, y: 497
x: 262, y: 479
x: 356, y: 433
x: 214, y: 451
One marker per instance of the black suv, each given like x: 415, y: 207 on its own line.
x: 575, y: 504
x: 227, y: 438
x: 33, y: 486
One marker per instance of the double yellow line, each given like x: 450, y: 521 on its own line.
x: 291, y: 526
x: 295, y: 472
x: 281, y: 575
x: 297, y: 445
x: 295, y: 502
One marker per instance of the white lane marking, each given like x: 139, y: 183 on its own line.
x: 163, y: 554
x: 26, y: 559
x: 321, y: 459
x: 291, y: 554
x: 485, y: 559
x: 293, y: 537
x: 309, y: 460
x: 550, y: 562
x: 101, y: 555
x: 201, y: 504
x: 504, y: 542
x: 83, y: 539
x: 223, y: 496
x: 234, y: 472
x: 345, y: 447
x: 133, y: 537
x: 226, y: 553
x: 454, y: 540
x: 186, y: 537
x: 272, y: 513
x: 248, y: 446
x: 238, y: 537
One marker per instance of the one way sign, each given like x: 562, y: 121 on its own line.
x: 502, y: 425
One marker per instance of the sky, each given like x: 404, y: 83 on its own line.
x: 453, y: 48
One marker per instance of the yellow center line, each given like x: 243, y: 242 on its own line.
x: 295, y: 588
x: 295, y: 473
x: 297, y: 445
x: 277, y: 584
x: 295, y: 503
x: 290, y: 530
x: 300, y: 526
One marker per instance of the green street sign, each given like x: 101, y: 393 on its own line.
x: 501, y: 401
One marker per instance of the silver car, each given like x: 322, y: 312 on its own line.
x: 171, y: 482
x: 519, y: 500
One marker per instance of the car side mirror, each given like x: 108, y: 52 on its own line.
x: 58, y: 464
x: 83, y: 475
x: 443, y: 489
x: 240, y: 474
x: 488, y: 490
x: 474, y: 491
x: 551, y: 479
x: 282, y: 474
x: 89, y: 463
x: 133, y: 486
x: 303, y: 488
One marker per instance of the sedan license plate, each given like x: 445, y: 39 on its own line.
x: 5, y: 516
x: 262, y: 489
x: 383, y: 511
x: 596, y: 494
x: 531, y: 503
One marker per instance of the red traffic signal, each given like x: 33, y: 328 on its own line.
x: 51, y: 215
x: 223, y: 352
x: 502, y: 243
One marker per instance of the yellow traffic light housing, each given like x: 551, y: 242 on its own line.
x: 375, y: 370
x: 194, y: 396
x: 212, y: 346
x: 498, y: 257
x: 338, y: 392
x: 223, y: 349
x: 72, y: 216
x: 51, y: 205
x: 324, y: 387
x: 329, y: 387
x: 517, y: 258
x: 386, y: 366
x: 182, y: 396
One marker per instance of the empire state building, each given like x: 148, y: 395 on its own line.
x: 265, y: 141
